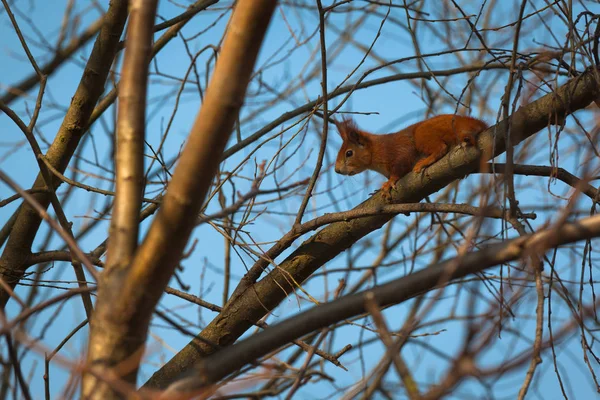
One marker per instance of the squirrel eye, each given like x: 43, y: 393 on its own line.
x: 349, y: 153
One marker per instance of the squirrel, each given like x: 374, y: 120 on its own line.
x: 396, y: 154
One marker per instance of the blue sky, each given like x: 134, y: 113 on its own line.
x: 390, y: 106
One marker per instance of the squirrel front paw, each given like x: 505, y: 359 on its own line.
x: 386, y: 189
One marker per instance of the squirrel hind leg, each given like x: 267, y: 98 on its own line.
x: 435, y: 155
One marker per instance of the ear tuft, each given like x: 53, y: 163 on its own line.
x: 349, y: 131
x: 341, y: 128
x: 353, y: 134
x: 355, y: 137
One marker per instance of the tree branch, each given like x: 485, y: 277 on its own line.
x: 18, y: 247
x: 211, y: 369
x: 541, y: 170
x: 104, y: 351
x: 258, y: 299
x: 135, y: 291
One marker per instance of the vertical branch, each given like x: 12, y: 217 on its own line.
x: 159, y: 44
x: 16, y: 364
x: 412, y: 389
x: 509, y: 175
x: 129, y: 161
x: 539, y: 330
x: 162, y: 248
x: 123, y: 237
x: 536, y: 266
x: 228, y: 222
x: 315, y: 176
x: 120, y: 327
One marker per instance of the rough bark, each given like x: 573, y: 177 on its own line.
x: 18, y: 247
x: 119, y: 330
x: 263, y: 296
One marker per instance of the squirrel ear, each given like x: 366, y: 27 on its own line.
x: 341, y: 129
x: 355, y: 137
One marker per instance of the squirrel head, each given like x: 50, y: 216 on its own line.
x: 355, y: 154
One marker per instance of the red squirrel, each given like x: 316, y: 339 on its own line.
x: 396, y: 154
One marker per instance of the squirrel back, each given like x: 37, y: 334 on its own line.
x: 435, y: 136
x: 412, y: 148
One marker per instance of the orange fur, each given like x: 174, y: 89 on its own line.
x: 396, y: 154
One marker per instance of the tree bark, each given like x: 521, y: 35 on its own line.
x: 120, y: 326
x: 257, y: 299
x: 13, y: 261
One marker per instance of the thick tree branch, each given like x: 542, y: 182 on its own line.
x: 18, y: 247
x: 136, y: 290
x: 78, y: 120
x: 124, y: 226
x: 259, y: 298
x: 212, y: 369
x: 129, y: 161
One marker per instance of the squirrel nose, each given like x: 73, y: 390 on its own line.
x: 337, y: 170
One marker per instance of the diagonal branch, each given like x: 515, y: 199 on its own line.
x: 27, y: 223
x: 60, y: 57
x: 77, y: 121
x: 133, y: 293
x: 259, y: 298
x: 542, y: 170
x: 213, y: 368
